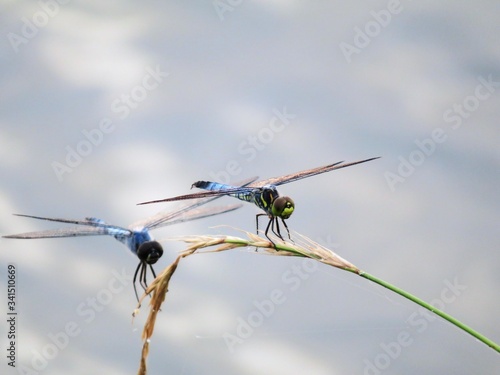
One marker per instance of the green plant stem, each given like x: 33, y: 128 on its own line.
x: 431, y: 308
x: 297, y: 251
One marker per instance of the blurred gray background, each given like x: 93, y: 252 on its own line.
x: 104, y: 105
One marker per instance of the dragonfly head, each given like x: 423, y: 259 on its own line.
x: 283, y: 207
x: 150, y: 252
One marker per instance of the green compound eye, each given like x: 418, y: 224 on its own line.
x: 283, y: 207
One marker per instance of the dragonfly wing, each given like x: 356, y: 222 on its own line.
x: 246, y: 182
x: 89, y: 227
x: 88, y: 221
x: 203, y: 194
x: 168, y: 218
x: 307, y: 173
x: 63, y: 232
x: 197, y: 213
x: 213, y: 194
x: 162, y: 218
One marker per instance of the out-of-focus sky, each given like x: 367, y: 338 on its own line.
x: 107, y: 104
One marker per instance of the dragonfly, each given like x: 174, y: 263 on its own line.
x: 263, y: 194
x: 136, y: 237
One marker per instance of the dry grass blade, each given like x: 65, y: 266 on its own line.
x: 305, y: 247
x: 144, y: 355
x: 199, y: 242
x: 159, y: 289
x: 314, y: 250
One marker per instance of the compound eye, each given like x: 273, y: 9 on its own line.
x: 150, y: 252
x: 283, y: 207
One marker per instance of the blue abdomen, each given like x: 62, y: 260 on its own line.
x: 214, y: 186
x: 242, y: 193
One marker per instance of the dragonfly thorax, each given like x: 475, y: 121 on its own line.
x: 264, y: 198
x: 272, y: 203
x: 149, y: 252
x: 283, y: 207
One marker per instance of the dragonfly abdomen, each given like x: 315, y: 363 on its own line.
x: 213, y: 186
x: 247, y: 196
x: 242, y: 193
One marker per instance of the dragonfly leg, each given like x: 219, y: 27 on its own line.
x: 135, y: 278
x: 287, y: 230
x: 257, y: 226
x: 257, y: 222
x: 145, y: 281
x: 277, y: 232
x: 142, y: 276
x: 145, y: 273
x: 270, y: 225
x: 152, y: 271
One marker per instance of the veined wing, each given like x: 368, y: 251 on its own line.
x: 307, y: 173
x: 212, y: 194
x: 164, y: 219
x: 185, y: 213
x: 202, y: 194
x: 88, y: 227
x: 63, y: 232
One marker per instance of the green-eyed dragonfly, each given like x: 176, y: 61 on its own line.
x: 263, y: 194
x: 136, y: 237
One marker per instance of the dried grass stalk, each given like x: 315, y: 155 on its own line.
x: 144, y: 355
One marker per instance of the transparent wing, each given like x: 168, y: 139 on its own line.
x: 307, y: 173
x: 271, y: 181
x: 211, y: 195
x: 179, y: 215
x: 89, y: 227
x: 164, y: 219
x: 66, y: 232
x: 203, y: 194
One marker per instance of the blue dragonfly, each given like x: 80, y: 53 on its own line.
x: 263, y: 194
x: 136, y: 237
